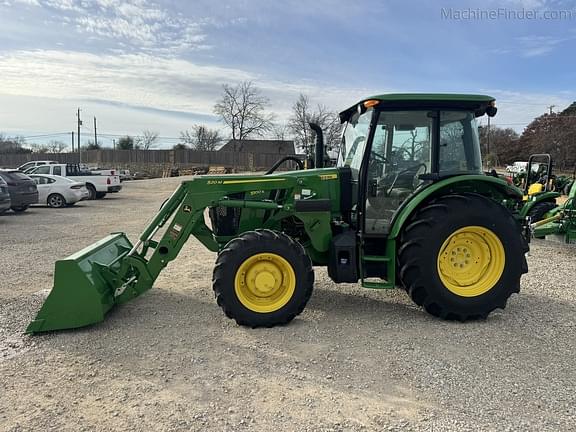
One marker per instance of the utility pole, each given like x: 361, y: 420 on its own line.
x: 488, y: 138
x: 95, y: 134
x: 79, y: 124
x: 72, y: 141
x: 551, y: 107
x: 114, y: 143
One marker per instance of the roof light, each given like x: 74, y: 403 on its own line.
x: 371, y: 103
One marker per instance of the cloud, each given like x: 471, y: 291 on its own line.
x: 534, y: 46
x: 142, y: 80
x: 140, y: 25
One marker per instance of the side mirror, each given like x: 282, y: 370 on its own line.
x: 491, y: 111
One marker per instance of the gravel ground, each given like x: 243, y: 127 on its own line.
x: 355, y: 359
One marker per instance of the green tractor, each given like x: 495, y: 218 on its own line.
x: 406, y: 205
x: 560, y: 222
x: 539, y: 194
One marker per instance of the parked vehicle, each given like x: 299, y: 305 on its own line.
x: 517, y: 167
x: 58, y: 191
x: 125, y: 175
x: 33, y: 164
x: 98, y: 185
x: 4, y: 196
x: 22, y: 189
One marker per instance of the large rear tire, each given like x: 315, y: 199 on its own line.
x: 263, y: 278
x: 461, y: 257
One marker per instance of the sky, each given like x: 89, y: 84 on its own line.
x: 160, y: 65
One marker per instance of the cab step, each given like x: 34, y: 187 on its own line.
x: 376, y: 285
x: 375, y: 258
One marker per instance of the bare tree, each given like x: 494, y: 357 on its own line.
x: 13, y: 144
x: 280, y: 131
x: 147, y: 140
x: 201, y: 138
x: 242, y: 110
x: 303, y: 114
x: 56, y: 146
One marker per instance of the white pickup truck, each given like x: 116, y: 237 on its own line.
x: 98, y: 185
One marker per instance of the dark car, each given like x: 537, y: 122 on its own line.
x: 4, y: 196
x: 22, y: 189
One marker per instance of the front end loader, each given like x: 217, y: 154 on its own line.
x: 407, y: 205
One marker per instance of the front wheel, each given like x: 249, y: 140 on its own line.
x: 461, y: 257
x: 19, y: 209
x: 263, y: 278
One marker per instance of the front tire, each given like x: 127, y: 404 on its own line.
x: 19, y: 209
x: 100, y: 195
x: 262, y: 279
x: 461, y: 257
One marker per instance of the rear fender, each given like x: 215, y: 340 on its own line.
x: 492, y: 187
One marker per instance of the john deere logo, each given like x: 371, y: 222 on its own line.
x: 328, y: 176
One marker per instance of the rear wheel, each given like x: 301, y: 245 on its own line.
x: 91, y: 192
x: 262, y: 279
x: 56, y: 201
x: 461, y: 257
x: 538, y: 211
x: 19, y: 209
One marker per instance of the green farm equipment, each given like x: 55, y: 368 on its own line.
x: 560, y: 222
x: 539, y: 197
x: 407, y: 204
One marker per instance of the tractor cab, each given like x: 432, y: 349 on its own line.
x: 395, y: 144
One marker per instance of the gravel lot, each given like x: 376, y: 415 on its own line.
x: 354, y: 360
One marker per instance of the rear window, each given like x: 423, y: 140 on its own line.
x: 16, y: 175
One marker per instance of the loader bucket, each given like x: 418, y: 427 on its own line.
x: 81, y: 294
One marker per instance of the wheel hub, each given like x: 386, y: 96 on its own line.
x: 265, y: 282
x: 471, y: 261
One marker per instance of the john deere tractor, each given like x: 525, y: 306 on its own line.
x: 407, y: 205
x: 539, y: 194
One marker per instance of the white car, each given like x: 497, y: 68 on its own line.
x: 57, y: 191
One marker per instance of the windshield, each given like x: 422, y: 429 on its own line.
x: 354, y: 142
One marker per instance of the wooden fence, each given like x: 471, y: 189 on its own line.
x: 152, y: 160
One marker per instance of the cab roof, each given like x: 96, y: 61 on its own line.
x: 475, y: 102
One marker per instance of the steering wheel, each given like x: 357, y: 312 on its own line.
x: 377, y: 157
x: 414, y: 168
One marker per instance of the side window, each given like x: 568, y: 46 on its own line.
x: 42, y: 170
x: 50, y: 180
x: 459, y: 146
x: 36, y: 180
x: 57, y: 170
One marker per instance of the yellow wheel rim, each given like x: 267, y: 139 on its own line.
x: 471, y: 261
x: 265, y: 282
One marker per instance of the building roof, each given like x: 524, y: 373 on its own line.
x: 260, y: 146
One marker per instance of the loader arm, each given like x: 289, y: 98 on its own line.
x: 113, y: 271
